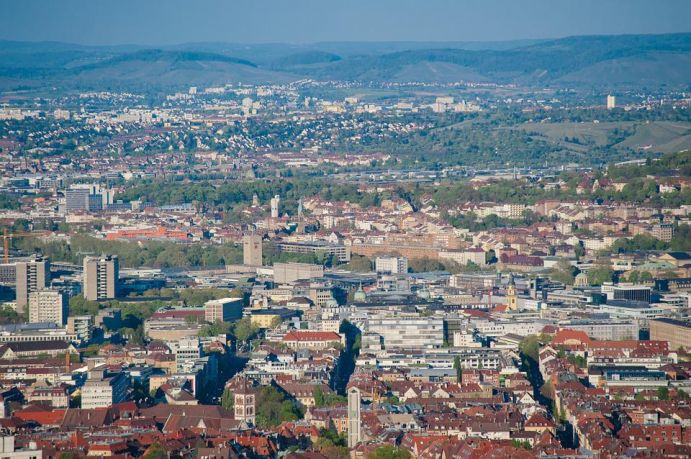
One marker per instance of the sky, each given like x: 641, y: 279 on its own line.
x: 165, y: 22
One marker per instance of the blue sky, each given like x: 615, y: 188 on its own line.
x: 160, y: 22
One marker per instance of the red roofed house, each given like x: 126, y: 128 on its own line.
x: 571, y: 339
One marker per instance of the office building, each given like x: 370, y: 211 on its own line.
x: 285, y: 273
x: 611, y: 102
x: 32, y: 275
x: 408, y: 332
x: 80, y: 326
x: 224, y: 309
x: 101, y: 276
x: 339, y: 252
x: 252, y: 250
x: 48, y: 306
x: 626, y: 291
x: 188, y: 349
x: 87, y: 198
x: 102, y: 389
x: 391, y: 265
x: 676, y: 332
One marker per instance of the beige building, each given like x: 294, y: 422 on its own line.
x: 101, y: 275
x: 285, y: 273
x: 676, y: 332
x: 32, y: 275
x: 252, y: 250
x: 48, y: 306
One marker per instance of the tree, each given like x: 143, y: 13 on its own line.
x: 564, y: 272
x: 155, y: 451
x: 228, y: 399
x: 322, y: 399
x: 217, y: 328
x: 457, y: 367
x: 244, y: 330
x: 389, y: 452
x: 663, y: 393
x: 273, y: 408
x: 600, y: 273
x: 530, y: 346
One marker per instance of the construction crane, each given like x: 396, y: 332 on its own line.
x: 6, y: 237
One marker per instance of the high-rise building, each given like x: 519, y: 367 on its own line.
x: 48, y: 306
x: 611, y: 102
x: 275, y: 203
x: 102, y: 389
x: 354, y: 432
x: 224, y: 309
x: 32, y: 275
x: 252, y: 250
x: 391, y: 265
x: 77, y: 200
x: 88, y: 198
x: 101, y: 275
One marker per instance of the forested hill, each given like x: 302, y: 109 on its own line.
x: 625, y: 60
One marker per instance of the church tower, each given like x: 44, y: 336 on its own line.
x: 511, y: 294
x: 244, y: 397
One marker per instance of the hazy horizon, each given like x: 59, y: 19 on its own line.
x: 306, y: 22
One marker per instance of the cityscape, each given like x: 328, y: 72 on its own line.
x: 347, y: 241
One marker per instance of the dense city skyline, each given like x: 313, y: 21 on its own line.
x: 346, y: 229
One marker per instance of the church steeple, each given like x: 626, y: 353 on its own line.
x: 511, y: 296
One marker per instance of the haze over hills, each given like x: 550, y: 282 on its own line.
x: 627, y: 60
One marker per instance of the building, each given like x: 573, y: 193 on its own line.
x: 9, y: 451
x: 611, y: 102
x: 626, y: 291
x: 269, y: 318
x: 188, y: 349
x: 32, y: 275
x: 676, y: 332
x: 303, y: 339
x: 354, y: 424
x: 275, y: 204
x: 102, y: 390
x: 408, y: 332
x: 80, y: 326
x: 101, y: 277
x: 611, y: 330
x: 87, y: 198
x: 48, y: 306
x: 34, y: 332
x: 252, y: 250
x: 224, y: 309
x: 77, y: 200
x: 244, y: 403
x: 663, y: 231
x: 511, y: 295
x: 464, y: 256
x: 286, y: 273
x: 338, y: 251
x: 391, y: 265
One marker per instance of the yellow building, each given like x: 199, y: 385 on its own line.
x: 269, y: 318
